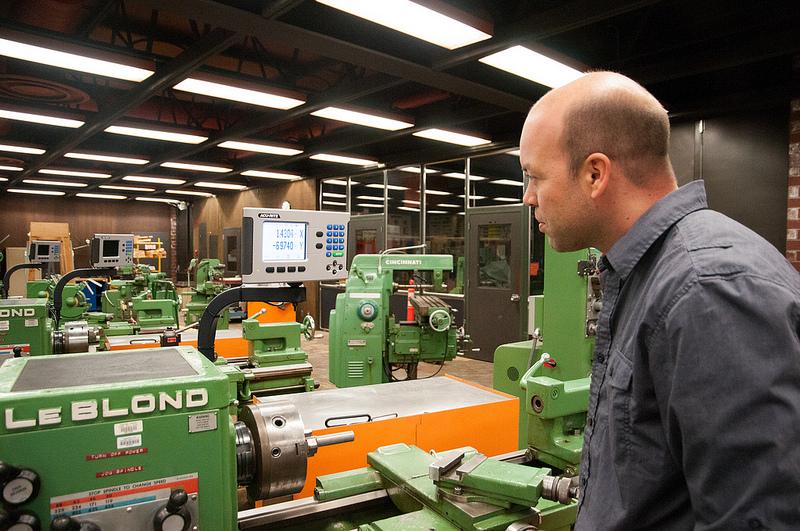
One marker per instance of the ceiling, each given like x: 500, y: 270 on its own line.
x: 696, y: 60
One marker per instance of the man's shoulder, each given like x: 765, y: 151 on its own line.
x: 707, y: 244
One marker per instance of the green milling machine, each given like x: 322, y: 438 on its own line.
x: 368, y: 344
x: 140, y: 300
x: 165, y: 444
x: 207, y: 285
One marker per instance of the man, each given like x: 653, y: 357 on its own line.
x: 694, y: 408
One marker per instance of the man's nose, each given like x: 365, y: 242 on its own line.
x: 530, y: 196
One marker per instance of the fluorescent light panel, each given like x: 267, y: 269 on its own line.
x: 73, y: 173
x: 513, y: 153
x: 331, y: 194
x: 71, y: 184
x: 410, y: 202
x: 461, y: 176
x: 474, y: 196
x: 260, y: 148
x: 158, y: 200
x: 102, y: 196
x: 438, y: 212
x: 507, y: 182
x: 221, y: 186
x: 71, y: 61
x: 189, y: 192
x: 388, y: 186
x: 105, y: 158
x: 40, y: 119
x: 21, y: 149
x: 153, y: 134
x: 337, y: 182
x: 409, y: 209
x: 370, y: 198
x: 452, y: 137
x: 448, y: 205
x: 128, y: 188
x: 271, y: 175
x: 508, y: 199
x: 34, y: 192
x: 240, y: 95
x: 335, y: 203
x: 155, y: 180
x: 360, y: 118
x: 328, y: 157
x: 369, y: 205
x: 196, y: 167
x: 413, y: 19
x: 3, y: 179
x: 437, y: 192
x: 10, y: 168
x: 524, y: 62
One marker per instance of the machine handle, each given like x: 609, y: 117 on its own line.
x: 335, y: 438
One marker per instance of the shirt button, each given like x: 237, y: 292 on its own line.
x: 601, y: 358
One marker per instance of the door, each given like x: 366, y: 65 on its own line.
x: 365, y: 235
x: 230, y: 245
x: 497, y: 277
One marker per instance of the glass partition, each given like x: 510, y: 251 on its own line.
x: 403, y: 221
x: 366, y: 194
x: 444, y: 217
x: 495, y: 180
x: 333, y: 195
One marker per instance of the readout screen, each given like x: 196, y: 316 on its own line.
x: 110, y: 248
x: 283, y: 240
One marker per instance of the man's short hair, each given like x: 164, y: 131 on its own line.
x: 629, y: 130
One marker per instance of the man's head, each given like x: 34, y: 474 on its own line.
x: 595, y: 152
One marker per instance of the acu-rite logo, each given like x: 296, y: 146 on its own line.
x: 17, y: 312
x: 269, y: 215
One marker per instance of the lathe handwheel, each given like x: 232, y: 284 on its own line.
x: 309, y: 327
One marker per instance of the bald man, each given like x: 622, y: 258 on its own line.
x: 694, y: 407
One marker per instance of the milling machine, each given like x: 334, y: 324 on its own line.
x: 368, y: 344
x: 207, y: 285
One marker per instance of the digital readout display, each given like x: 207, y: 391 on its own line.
x: 284, y: 241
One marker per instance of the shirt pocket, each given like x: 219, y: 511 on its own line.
x: 620, y: 377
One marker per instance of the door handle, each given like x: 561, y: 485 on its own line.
x: 514, y: 297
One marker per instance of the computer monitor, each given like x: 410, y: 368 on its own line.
x: 112, y: 250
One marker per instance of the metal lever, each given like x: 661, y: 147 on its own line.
x: 328, y: 440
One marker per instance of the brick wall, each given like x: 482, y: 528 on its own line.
x: 793, y: 212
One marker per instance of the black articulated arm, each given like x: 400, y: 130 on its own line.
x: 7, y: 276
x: 207, y: 331
x: 85, y: 273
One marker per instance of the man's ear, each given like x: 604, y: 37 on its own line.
x: 596, y: 174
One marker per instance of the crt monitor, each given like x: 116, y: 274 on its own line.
x: 293, y: 245
x: 112, y: 250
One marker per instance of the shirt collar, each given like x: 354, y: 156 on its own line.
x: 628, y: 250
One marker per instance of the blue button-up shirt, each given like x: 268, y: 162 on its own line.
x: 694, y: 407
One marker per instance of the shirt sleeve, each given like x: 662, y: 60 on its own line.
x: 728, y: 388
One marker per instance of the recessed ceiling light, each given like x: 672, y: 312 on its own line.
x: 105, y: 158
x: 102, y: 196
x: 370, y: 198
x: 449, y: 205
x: 40, y: 119
x: 3, y: 179
x: 155, y: 180
x: 513, y: 153
x: 11, y: 168
x: 474, y: 197
x: 331, y: 194
x: 416, y: 169
x: 413, y: 19
x: 189, y: 192
x: 361, y: 118
x: 158, y: 200
x: 438, y: 212
x: 452, y: 137
x: 196, y: 167
x: 388, y: 186
x: 507, y: 182
x: 337, y: 182
x: 410, y: 202
x: 237, y: 94
x: 128, y: 188
x: 508, y: 199
x: 73, y: 173
x: 369, y: 205
x: 462, y: 176
x: 70, y: 61
x: 437, y: 192
x: 34, y: 192
x: 335, y: 203
x: 271, y: 175
x: 328, y: 157
x: 71, y: 184
x: 410, y: 209
x: 524, y: 62
x: 260, y: 148
x: 222, y: 186
x: 21, y: 149
x: 156, y: 135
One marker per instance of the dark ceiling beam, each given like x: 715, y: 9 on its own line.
x: 747, y: 49
x: 278, y: 8
x: 97, y: 18
x: 165, y: 77
x: 540, y: 26
x: 271, y: 30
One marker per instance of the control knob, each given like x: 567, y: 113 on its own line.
x: 20, y: 485
x: 174, y: 516
x: 68, y: 523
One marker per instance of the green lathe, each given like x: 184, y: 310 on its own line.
x: 207, y: 285
x: 368, y: 344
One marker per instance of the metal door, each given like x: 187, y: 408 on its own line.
x: 365, y: 235
x: 497, y: 279
x: 230, y: 246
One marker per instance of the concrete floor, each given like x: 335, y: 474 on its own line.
x: 476, y: 371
